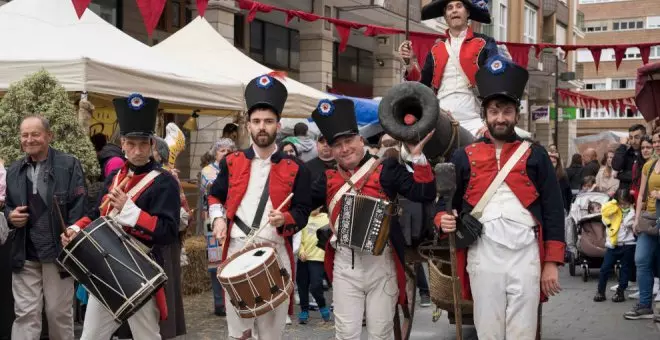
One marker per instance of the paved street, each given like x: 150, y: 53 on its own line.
x: 572, y: 315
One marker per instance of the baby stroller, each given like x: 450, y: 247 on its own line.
x: 586, y: 233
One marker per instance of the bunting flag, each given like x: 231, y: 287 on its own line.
x: 589, y: 102
x: 201, y: 7
x: 151, y: 11
x: 422, y: 42
x: 80, y: 6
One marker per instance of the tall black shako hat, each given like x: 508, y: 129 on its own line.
x: 501, y: 77
x: 136, y: 115
x: 266, y: 90
x: 478, y: 10
x: 336, y: 118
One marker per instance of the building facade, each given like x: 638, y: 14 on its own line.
x: 615, y: 22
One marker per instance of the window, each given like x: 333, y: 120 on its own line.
x: 107, y: 10
x: 655, y: 52
x: 175, y: 15
x: 623, y: 84
x: 653, y: 22
x: 560, y: 39
x: 354, y: 65
x: 627, y: 25
x: 595, y: 85
x: 501, y: 23
x: 274, y: 45
x: 530, y: 24
x: 239, y: 30
x: 632, y: 53
x: 327, y: 12
x: 595, y: 26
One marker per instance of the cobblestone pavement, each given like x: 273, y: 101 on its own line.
x: 571, y: 315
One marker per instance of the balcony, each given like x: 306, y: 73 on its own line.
x: 557, y: 7
x: 398, y: 7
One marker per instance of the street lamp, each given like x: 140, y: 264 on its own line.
x: 564, y: 76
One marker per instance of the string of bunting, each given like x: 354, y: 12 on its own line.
x: 422, y: 42
x: 589, y: 102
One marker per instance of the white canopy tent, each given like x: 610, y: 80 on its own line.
x: 89, y: 54
x: 200, y: 44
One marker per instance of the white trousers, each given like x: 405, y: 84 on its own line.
x: 100, y: 325
x: 506, y: 290
x: 361, y: 279
x: 34, y: 284
x: 269, y: 326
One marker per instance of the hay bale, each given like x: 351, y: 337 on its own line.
x: 195, y: 277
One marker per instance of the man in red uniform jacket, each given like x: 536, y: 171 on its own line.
x: 360, y: 278
x: 257, y: 180
x: 513, y: 265
x: 147, y: 207
x: 452, y: 63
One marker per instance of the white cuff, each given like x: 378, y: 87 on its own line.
x: 129, y: 214
x: 184, y: 216
x: 217, y: 210
x: 74, y: 228
x: 419, y: 160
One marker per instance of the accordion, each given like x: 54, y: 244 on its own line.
x: 364, y: 223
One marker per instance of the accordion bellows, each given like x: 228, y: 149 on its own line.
x: 364, y: 223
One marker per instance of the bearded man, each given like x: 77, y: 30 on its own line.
x: 514, y: 264
x: 251, y: 182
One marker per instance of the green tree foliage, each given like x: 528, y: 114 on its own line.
x: 40, y: 93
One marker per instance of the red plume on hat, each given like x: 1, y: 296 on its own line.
x: 279, y: 75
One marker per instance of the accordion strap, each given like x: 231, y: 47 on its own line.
x: 357, y: 176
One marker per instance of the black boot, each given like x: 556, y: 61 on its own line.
x: 600, y: 297
x: 618, y: 296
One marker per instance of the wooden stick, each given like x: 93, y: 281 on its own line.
x: 458, y: 313
x: 254, y: 235
x: 121, y: 186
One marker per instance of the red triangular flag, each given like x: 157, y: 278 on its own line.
x: 596, y: 52
x: 519, y: 54
x: 151, y: 11
x: 80, y: 6
x: 619, y: 53
x: 201, y: 7
x: 645, y: 51
x: 344, y: 32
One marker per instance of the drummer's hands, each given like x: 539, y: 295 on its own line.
x: 68, y: 235
x: 276, y: 218
x: 448, y: 222
x: 550, y: 279
x: 220, y: 229
x: 117, y: 198
x: 405, y: 50
x: 416, y: 149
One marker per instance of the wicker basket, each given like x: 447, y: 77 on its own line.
x: 441, y: 286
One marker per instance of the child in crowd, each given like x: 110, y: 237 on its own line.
x: 588, y: 184
x: 618, y: 215
x: 310, y: 273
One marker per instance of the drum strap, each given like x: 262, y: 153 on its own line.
x: 258, y: 214
x: 364, y: 169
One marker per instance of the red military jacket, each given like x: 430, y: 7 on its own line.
x: 388, y: 180
x: 532, y: 180
x: 476, y: 49
x: 287, y: 175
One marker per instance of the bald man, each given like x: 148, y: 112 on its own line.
x: 591, y: 165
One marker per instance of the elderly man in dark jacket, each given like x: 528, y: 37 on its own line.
x: 45, y: 181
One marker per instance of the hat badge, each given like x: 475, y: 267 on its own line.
x: 264, y: 82
x: 326, y: 107
x: 497, y: 65
x: 135, y: 101
x: 482, y: 4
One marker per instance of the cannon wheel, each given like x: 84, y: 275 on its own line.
x: 403, y: 316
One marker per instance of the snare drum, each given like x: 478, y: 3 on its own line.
x: 255, y: 280
x: 113, y: 266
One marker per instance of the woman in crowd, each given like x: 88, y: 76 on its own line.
x: 574, y: 172
x: 564, y: 184
x: 221, y: 148
x: 606, y: 180
x: 646, y: 151
x: 647, y: 252
x: 289, y: 148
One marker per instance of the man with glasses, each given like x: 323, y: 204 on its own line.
x: 628, y: 154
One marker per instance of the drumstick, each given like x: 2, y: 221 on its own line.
x: 121, y: 186
x: 249, y: 240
